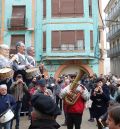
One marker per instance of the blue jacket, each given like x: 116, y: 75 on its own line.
x: 6, y: 101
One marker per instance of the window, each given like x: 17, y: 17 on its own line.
x: 68, y: 40
x: 55, y: 40
x: 18, y: 16
x: 14, y: 40
x: 90, y: 8
x: 80, y: 40
x: 67, y: 8
x: 91, y: 40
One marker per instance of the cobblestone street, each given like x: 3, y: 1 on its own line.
x: 85, y: 124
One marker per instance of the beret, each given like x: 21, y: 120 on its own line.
x: 45, y: 104
x: 41, y: 82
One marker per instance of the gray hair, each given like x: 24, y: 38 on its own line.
x: 4, y: 46
x: 29, y: 49
x: 20, y: 43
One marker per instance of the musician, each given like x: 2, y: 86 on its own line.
x: 21, y: 63
x: 100, y: 97
x: 4, y: 56
x: 30, y: 56
x: 74, y: 112
x: 5, y: 62
x: 18, y: 89
x: 6, y: 101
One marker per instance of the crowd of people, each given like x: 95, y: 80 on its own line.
x: 46, y: 97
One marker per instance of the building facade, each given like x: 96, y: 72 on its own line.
x: 65, y: 33
x: 113, y: 36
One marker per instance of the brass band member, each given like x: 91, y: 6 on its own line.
x: 74, y: 112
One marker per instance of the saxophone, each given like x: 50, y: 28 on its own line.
x: 73, y: 96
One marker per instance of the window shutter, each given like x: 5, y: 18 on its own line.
x: 79, y: 8
x: 68, y: 37
x: 44, y: 41
x: 18, y: 11
x: 55, y: 40
x: 67, y: 8
x: 91, y: 40
x: 80, y: 40
x: 18, y: 16
x: 14, y: 40
x: 55, y: 8
x: 44, y: 8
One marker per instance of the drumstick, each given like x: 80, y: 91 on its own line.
x: 102, y: 124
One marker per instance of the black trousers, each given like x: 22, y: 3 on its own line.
x: 74, y: 119
x: 59, y: 101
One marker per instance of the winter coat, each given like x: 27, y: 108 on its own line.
x: 44, y: 124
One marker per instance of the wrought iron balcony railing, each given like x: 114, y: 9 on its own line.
x: 114, y: 52
x: 114, y: 13
x: 17, y: 23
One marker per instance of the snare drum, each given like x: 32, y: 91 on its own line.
x: 6, y: 73
x: 32, y: 72
x: 6, y: 116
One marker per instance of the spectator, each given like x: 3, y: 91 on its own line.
x: 45, y: 112
x: 113, y: 119
x: 18, y: 89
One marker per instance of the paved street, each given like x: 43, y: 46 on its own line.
x: 85, y: 124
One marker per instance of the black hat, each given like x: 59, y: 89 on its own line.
x: 41, y: 82
x: 45, y: 104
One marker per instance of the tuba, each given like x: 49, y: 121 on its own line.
x: 73, y: 96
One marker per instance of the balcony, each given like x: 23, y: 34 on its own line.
x: 113, y: 14
x: 17, y: 23
x: 114, y: 52
x: 113, y: 33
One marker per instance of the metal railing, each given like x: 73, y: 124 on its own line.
x: 114, y: 13
x: 114, y: 52
x: 17, y: 23
x: 114, y: 32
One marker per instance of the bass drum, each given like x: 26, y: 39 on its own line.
x: 32, y: 72
x: 6, y: 116
x: 6, y: 73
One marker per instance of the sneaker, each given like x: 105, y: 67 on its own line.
x: 91, y: 120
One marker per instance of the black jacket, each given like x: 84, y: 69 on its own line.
x: 44, y: 124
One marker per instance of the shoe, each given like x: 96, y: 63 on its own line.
x: 64, y: 124
x: 91, y: 120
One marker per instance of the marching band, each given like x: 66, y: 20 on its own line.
x: 11, y: 67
